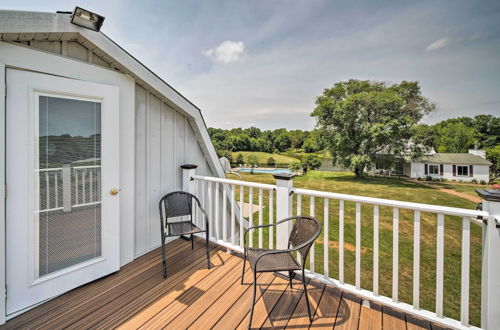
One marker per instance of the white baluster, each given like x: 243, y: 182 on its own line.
x: 250, y: 215
x: 47, y: 187
x: 416, y: 260
x: 241, y: 215
x: 77, y: 195
x: 261, y: 221
x: 56, y: 183
x: 395, y: 254
x: 224, y: 214
x: 439, y: 264
x: 299, y: 204
x: 464, y: 301
x: 358, y: 246
x: 325, y: 240
x: 84, y: 193
x: 271, y: 218
x: 341, y: 241
x: 375, y: 248
x: 233, y: 216
x: 217, y: 213
x: 311, y: 254
x: 209, y: 209
x: 91, y: 181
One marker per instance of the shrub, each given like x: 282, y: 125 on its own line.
x: 271, y: 161
x: 444, y: 180
x: 428, y: 178
x: 482, y: 182
x: 419, y: 178
x: 474, y: 181
x: 310, y: 162
x: 436, y: 180
x: 239, y: 159
x: 295, y: 167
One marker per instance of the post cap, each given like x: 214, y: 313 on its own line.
x: 189, y: 166
x: 283, y: 176
x: 489, y: 195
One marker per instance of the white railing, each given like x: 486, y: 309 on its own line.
x: 222, y: 197
x: 63, y: 188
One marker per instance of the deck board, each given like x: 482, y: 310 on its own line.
x: 198, y: 298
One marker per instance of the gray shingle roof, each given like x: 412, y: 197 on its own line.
x: 451, y: 158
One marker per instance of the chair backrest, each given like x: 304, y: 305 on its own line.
x: 176, y: 204
x: 305, y: 229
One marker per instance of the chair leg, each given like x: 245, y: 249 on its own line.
x: 290, y: 278
x: 244, y: 262
x: 307, y: 297
x: 253, y: 299
x: 192, y: 242
x: 208, y: 252
x: 164, y: 259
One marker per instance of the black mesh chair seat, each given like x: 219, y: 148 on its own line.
x: 304, y: 232
x: 271, y: 262
x: 180, y: 204
x: 182, y: 228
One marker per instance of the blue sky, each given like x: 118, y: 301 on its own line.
x: 263, y: 63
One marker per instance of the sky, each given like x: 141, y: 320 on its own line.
x: 263, y: 63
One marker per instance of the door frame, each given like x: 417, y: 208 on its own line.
x: 25, y: 58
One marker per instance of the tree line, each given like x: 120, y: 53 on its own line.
x: 357, y: 121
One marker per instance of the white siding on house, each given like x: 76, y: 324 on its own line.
x: 480, y: 172
x: 164, y: 141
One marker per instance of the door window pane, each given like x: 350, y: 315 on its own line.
x: 68, y: 185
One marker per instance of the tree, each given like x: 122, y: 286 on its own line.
x: 253, y: 161
x: 455, y: 136
x: 295, y: 167
x: 282, y: 142
x: 225, y: 153
x: 271, y: 161
x: 493, y: 156
x: 360, y: 119
x: 239, y: 159
x: 310, y: 162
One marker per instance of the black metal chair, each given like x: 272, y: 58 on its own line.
x: 176, y: 204
x: 304, y: 232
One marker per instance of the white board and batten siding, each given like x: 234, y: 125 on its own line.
x: 165, y: 140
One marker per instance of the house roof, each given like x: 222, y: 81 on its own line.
x: 453, y: 158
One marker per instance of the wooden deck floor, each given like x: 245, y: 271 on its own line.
x: 194, y: 297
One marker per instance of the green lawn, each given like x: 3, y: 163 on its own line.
x: 469, y: 189
x: 263, y: 156
x: 398, y: 189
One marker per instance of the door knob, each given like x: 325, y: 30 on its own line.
x: 113, y: 192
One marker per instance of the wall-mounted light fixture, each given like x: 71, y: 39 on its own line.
x: 87, y: 19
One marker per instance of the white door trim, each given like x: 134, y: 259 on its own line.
x: 2, y: 193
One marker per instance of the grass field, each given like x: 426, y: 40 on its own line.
x: 263, y: 156
x: 398, y: 189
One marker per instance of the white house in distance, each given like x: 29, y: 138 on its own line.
x: 450, y: 166
x: 88, y: 135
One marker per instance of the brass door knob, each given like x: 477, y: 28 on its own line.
x: 113, y: 192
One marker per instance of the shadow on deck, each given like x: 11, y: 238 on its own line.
x: 194, y: 297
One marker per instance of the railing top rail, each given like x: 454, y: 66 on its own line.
x: 235, y: 182
x: 60, y: 168
x: 393, y: 203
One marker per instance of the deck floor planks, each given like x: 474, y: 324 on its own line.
x: 240, y: 309
x: 93, y: 310
x: 196, y: 297
x: 348, y: 312
x: 371, y: 316
x: 300, y: 317
x: 326, y: 313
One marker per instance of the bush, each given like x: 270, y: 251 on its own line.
x: 428, y: 178
x: 482, y: 182
x: 295, y: 167
x: 436, y: 180
x: 271, y: 161
x: 239, y: 159
x: 444, y: 180
x: 474, y: 181
x: 419, y: 178
x: 310, y: 162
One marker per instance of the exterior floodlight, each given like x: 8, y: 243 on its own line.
x: 87, y: 19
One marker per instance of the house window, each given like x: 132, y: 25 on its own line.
x: 434, y: 169
x: 462, y: 170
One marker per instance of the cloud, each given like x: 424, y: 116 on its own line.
x: 227, y: 52
x: 440, y: 43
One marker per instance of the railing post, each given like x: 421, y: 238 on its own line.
x: 490, y: 283
x: 66, y: 181
x: 284, y: 185
x: 188, y: 171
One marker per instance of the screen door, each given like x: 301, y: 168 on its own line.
x: 62, y: 176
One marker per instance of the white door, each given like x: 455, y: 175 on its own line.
x: 62, y: 176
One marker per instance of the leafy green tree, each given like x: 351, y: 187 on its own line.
x: 361, y: 119
x: 239, y: 159
x: 282, y: 142
x: 313, y: 142
x: 253, y: 161
x: 310, y: 162
x: 454, y: 136
x: 225, y: 153
x: 271, y: 161
x: 295, y: 167
x: 493, y: 155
